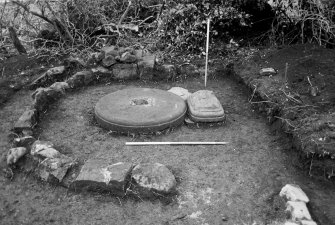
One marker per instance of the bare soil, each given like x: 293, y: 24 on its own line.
x: 233, y: 184
x: 301, y: 101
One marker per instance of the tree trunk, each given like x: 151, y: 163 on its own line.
x: 62, y: 30
x: 17, y: 43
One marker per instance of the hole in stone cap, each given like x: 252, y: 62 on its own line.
x: 139, y: 101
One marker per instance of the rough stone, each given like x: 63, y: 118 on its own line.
x: 125, y: 71
x: 51, y: 168
x: 108, y: 61
x: 102, y: 72
x: 27, y: 132
x: 152, y: 178
x: 98, y: 175
x: 25, y: 141
x: 98, y: 56
x: 41, y: 100
x: 26, y: 121
x: 44, y: 149
x: 140, y: 53
x: 188, y: 70
x: 72, y: 63
x: 182, y: 92
x: 298, y: 211
x: 293, y: 193
x: 165, y: 72
x: 307, y: 222
x: 15, y: 154
x: 130, y: 50
x: 56, y: 71
x: 45, y: 96
x: 109, y: 51
x: 81, y: 78
x: 127, y: 57
x: 290, y: 223
x: 146, y: 67
x: 51, y: 74
x: 267, y: 72
x: 60, y: 86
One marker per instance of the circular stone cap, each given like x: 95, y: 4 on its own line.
x: 140, y: 110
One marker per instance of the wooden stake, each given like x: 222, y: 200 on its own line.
x: 175, y: 143
x: 207, y: 47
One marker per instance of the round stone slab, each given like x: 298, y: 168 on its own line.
x: 140, y: 110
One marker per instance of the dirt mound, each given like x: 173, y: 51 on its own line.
x: 300, y: 98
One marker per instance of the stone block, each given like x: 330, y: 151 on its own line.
x: 72, y: 63
x: 298, y: 211
x: 125, y: 71
x: 110, y: 51
x: 51, y: 168
x: 165, y: 72
x: 98, y: 56
x: 108, y: 61
x: 290, y: 223
x: 293, y: 193
x: 102, y: 72
x: 48, y: 163
x: 140, y: 53
x: 267, y: 72
x: 43, y: 97
x: 44, y: 149
x: 307, y: 222
x: 153, y: 179
x: 14, y: 154
x: 60, y: 86
x: 81, y: 78
x: 146, y: 67
x: 51, y: 74
x: 127, y: 57
x: 25, y: 141
x: 26, y: 121
x: 188, y: 70
x: 99, y: 175
x: 181, y: 92
x: 41, y: 100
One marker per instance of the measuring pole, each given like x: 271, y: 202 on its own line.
x: 207, y: 47
x: 176, y: 143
